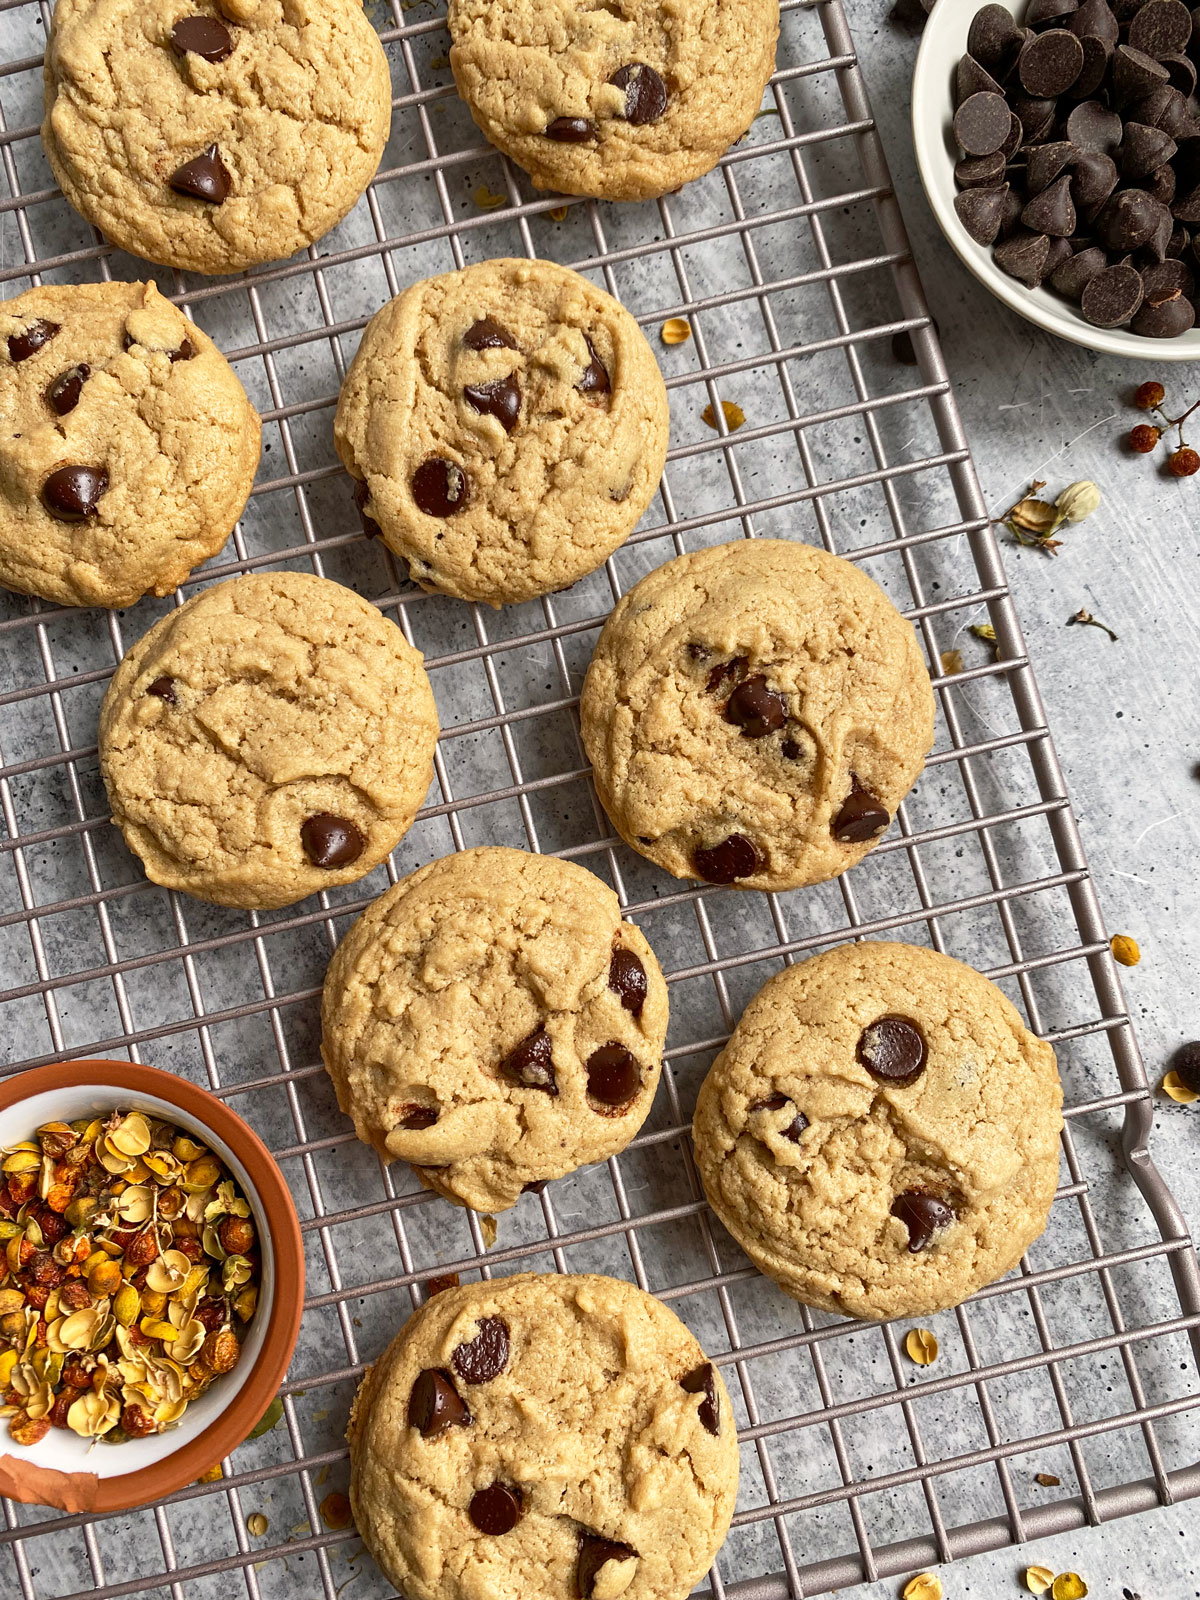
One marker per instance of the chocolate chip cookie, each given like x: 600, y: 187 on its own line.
x: 271, y: 738
x: 624, y: 102
x: 880, y: 1134
x: 543, y: 1435
x: 127, y: 445
x: 492, y: 1020
x: 214, y: 136
x: 754, y: 713
x: 506, y: 427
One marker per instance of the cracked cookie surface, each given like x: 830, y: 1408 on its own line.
x: 506, y: 426
x: 754, y: 713
x: 880, y: 1134
x: 624, y: 101
x: 271, y: 738
x: 211, y: 137
x: 127, y: 445
x: 543, y: 1435
x: 493, y: 1021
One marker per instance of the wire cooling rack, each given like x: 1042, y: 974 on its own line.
x: 791, y: 265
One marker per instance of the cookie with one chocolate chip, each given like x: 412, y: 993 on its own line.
x: 621, y: 102
x: 880, y: 1134
x: 506, y: 426
x: 214, y: 136
x: 754, y: 714
x: 271, y: 738
x: 492, y: 1020
x: 543, y: 1435
x: 127, y: 445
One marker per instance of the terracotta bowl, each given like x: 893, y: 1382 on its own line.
x: 77, y: 1474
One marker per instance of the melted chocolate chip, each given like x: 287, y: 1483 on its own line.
x: 735, y: 857
x: 63, y: 394
x: 613, y: 1074
x: 485, y: 1356
x: 893, y: 1050
x: 645, y: 92
x: 31, y: 339
x: 755, y: 709
x: 627, y: 977
x: 703, y: 1380
x: 415, y: 1117
x: 185, y: 352
x: 205, y: 177
x: 488, y: 335
x: 501, y: 399
x: 331, y: 841
x: 495, y: 1510
x: 440, y: 487
x: 435, y: 1405
x: 73, y: 493
x: 595, y: 374
x: 202, y: 36
x: 723, y: 670
x: 776, y: 1102
x: 594, y: 1552
x: 361, y: 495
x: 922, y: 1214
x: 163, y: 689
x: 790, y: 750
x: 572, y: 130
x: 536, y: 1187
x: 773, y: 1102
x: 531, y: 1064
x: 862, y: 816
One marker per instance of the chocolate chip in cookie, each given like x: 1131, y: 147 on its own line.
x: 755, y: 709
x: 31, y: 339
x: 185, y: 352
x: 415, y: 1117
x: 572, y: 130
x: 487, y: 334
x: 202, y: 36
x: 330, y: 841
x: 724, y: 669
x: 627, y: 977
x: 435, y: 1404
x: 645, y: 92
x: 735, y: 857
x: 893, y: 1050
x: 703, y: 1380
x: 484, y: 1357
x: 62, y: 396
x: 922, y: 1214
x: 500, y: 399
x: 613, y: 1074
x: 440, y: 487
x: 862, y: 816
x: 73, y: 493
x: 204, y: 177
x: 776, y: 1102
x: 596, y: 1552
x: 163, y: 689
x: 362, y: 494
x: 496, y: 1509
x: 595, y: 378
x: 531, y: 1064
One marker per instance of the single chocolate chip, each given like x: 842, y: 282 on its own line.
x: 893, y: 1050
x: 1074, y: 275
x: 1185, y: 1063
x: 645, y: 92
x: 1179, y: 242
x: 861, y: 817
x: 205, y: 177
x: 1010, y: 212
x: 73, y: 493
x: 1156, y: 244
x: 163, y: 689
x: 1013, y: 142
x: 755, y: 709
x: 572, y: 130
x: 1094, y: 20
x: 1036, y: 117
x: 922, y: 1214
x: 414, y: 1118
x: 331, y: 842
x: 735, y: 857
x: 1143, y: 149
x: 627, y: 977
x: 595, y: 1552
x: 725, y: 669
x: 531, y: 1063
x: 613, y: 1074
x: 1041, y: 14
x: 500, y: 399
x: 1096, y: 56
x: 1181, y: 73
x: 495, y: 1510
x: 1161, y: 28
x: 1092, y: 126
x: 993, y: 37
x: 1161, y: 108
x: 1165, y: 319
x: 434, y: 1405
x: 1162, y: 280
x: 1160, y: 185
x: 1049, y: 63
x: 361, y: 496
x: 488, y: 335
x: 31, y: 339
x: 970, y: 78
x: 62, y: 396
x: 980, y: 172
x: 1045, y: 163
x: 1134, y: 74
x: 1051, y: 212
x: 1093, y: 179
x: 981, y: 211
x: 703, y: 1380
x: 484, y: 1357
x: 202, y: 36
x: 440, y: 487
x: 773, y: 1102
x: 185, y: 352
x: 595, y: 374
x: 981, y: 123
x: 1127, y: 221
x: 1059, y: 251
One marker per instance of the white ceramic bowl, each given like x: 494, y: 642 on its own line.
x: 944, y: 41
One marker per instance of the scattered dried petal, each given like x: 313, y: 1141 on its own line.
x: 1034, y: 516
x: 557, y: 213
x: 1038, y: 1579
x: 335, y: 1511
x: 984, y: 631
x: 1174, y: 1086
x: 268, y: 1419
x: 486, y: 200
x: 925, y: 1586
x: 1089, y: 621
x: 213, y: 1475
x: 1125, y: 950
x: 1047, y: 1480
x: 734, y: 415
x: 676, y: 330
x: 1079, y: 500
x: 922, y: 1348
x: 487, y: 1227
x: 1068, y: 1586
x: 952, y: 662
x: 256, y: 1523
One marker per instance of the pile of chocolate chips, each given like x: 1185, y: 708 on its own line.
x: 1080, y: 134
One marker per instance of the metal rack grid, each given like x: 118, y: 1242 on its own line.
x: 791, y: 264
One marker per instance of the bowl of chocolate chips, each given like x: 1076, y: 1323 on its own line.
x: 1059, y: 145
x: 151, y: 1284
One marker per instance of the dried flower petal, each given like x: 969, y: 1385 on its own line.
x: 131, y: 1136
x: 169, y: 1272
x: 925, y: 1586
x: 557, y: 213
x: 676, y: 330
x: 1034, y: 516
x: 268, y: 1419
x: 1125, y: 950
x: 1038, y: 1579
x: 1068, y: 1586
x: 984, y: 631
x: 257, y: 1524
x: 335, y: 1511
x: 952, y: 662
x: 1174, y: 1086
x: 185, y: 1149
x: 734, y: 415
x: 1078, y: 500
x: 485, y: 199
x: 922, y: 1346
x: 1047, y: 1480
x: 213, y: 1475
x: 136, y: 1203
